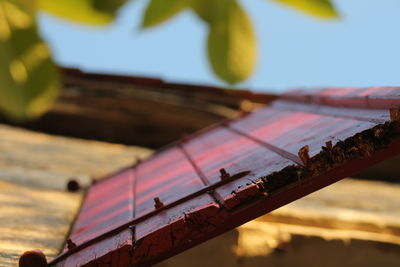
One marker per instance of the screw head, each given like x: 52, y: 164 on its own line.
x: 157, y: 203
x: 33, y: 258
x: 224, y: 174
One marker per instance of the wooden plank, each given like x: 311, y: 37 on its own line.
x: 130, y: 194
x: 276, y: 199
x: 374, y: 97
x: 237, y: 154
x: 47, y: 161
x: 371, y: 115
x: 299, y: 129
x: 269, y: 158
x: 102, y: 252
x: 109, y: 203
x: 137, y: 110
x: 168, y: 176
x: 36, y: 210
x: 175, y: 227
x: 33, y: 218
x: 344, y: 222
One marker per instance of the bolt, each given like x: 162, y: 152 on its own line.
x: 33, y: 258
x: 395, y: 114
x: 157, y: 203
x: 223, y: 174
x: 70, y: 244
x: 303, y: 154
x: 73, y: 185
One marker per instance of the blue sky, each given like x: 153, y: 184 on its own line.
x: 360, y: 49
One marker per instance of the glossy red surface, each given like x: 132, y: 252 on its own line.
x: 178, y: 197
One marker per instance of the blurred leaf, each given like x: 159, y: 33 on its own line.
x: 159, y: 11
x: 110, y: 6
x: 319, y: 8
x: 232, y: 46
x: 209, y: 10
x: 32, y: 4
x: 86, y: 11
x: 29, y: 80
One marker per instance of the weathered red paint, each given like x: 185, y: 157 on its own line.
x: 108, y: 250
x: 108, y: 204
x: 231, y: 173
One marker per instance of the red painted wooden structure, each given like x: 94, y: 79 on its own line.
x: 231, y: 173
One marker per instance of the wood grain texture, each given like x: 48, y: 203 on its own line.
x: 351, y: 223
x: 33, y: 218
x: 48, y: 161
x: 372, y: 97
x: 36, y: 212
x: 218, y: 179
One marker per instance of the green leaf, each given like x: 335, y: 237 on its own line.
x: 319, y: 8
x: 30, y: 4
x: 29, y: 81
x: 159, y: 11
x: 110, y: 6
x: 232, y: 46
x: 209, y: 10
x: 98, y: 12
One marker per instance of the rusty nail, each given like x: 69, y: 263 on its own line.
x: 395, y: 114
x: 303, y: 154
x: 329, y: 145
x: 73, y: 185
x: 223, y: 174
x: 157, y: 203
x: 260, y: 184
x: 33, y: 258
x: 70, y: 244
